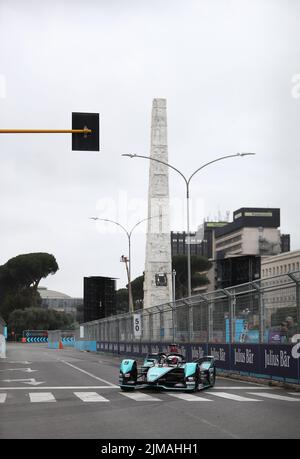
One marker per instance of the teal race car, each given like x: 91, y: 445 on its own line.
x: 168, y: 371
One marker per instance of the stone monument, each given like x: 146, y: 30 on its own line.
x: 158, y: 266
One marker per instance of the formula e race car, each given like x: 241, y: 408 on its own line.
x: 168, y: 371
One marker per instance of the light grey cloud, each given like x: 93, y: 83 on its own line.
x: 226, y: 69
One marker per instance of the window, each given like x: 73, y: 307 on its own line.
x: 229, y: 241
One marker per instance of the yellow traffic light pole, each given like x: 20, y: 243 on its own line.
x: 46, y: 131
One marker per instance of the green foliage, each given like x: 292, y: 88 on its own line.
x: 137, y: 287
x: 20, y: 300
x: 80, y: 314
x: 27, y: 270
x: 38, y: 319
x: 19, y: 280
x: 122, y: 301
x: 122, y: 296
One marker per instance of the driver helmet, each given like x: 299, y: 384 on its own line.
x: 173, y: 360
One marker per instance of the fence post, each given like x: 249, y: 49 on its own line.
x: 190, y: 320
x: 231, y: 303
x: 191, y: 323
x: 118, y: 335
x: 261, y: 305
x: 162, y: 332
x: 210, y: 319
x: 150, y: 327
x: 174, y: 324
x: 208, y: 315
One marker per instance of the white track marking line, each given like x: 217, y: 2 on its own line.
x: 276, y: 397
x: 235, y: 380
x: 139, y: 397
x: 190, y: 397
x: 242, y: 388
x: 59, y: 387
x: 90, y: 397
x: 89, y: 374
x: 3, y: 398
x: 234, y: 397
x: 41, y: 397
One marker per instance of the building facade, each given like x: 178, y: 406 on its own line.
x: 281, y: 306
x: 239, y: 245
x: 59, y: 301
x: 202, y: 240
x: 283, y: 263
x: 99, y: 297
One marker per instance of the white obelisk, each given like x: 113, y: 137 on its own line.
x: 158, y: 266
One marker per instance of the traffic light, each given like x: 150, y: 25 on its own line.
x: 86, y: 142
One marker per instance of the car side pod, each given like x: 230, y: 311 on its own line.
x: 128, y: 374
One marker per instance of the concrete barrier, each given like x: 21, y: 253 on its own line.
x: 59, y: 339
x: 279, y: 362
x: 86, y: 345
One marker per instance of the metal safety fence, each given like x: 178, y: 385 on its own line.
x: 264, y: 311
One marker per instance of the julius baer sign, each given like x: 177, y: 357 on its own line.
x: 271, y: 360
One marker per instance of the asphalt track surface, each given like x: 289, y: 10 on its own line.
x: 69, y: 394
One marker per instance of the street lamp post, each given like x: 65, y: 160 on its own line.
x: 187, y: 183
x: 128, y: 234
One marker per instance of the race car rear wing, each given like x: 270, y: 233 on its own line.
x: 206, y: 358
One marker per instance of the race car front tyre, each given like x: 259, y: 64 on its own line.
x: 212, y: 379
x: 197, y: 379
x: 127, y: 389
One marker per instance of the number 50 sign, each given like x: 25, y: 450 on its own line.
x: 137, y: 325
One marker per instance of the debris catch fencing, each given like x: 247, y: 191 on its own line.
x: 264, y: 311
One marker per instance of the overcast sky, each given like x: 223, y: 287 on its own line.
x: 230, y: 71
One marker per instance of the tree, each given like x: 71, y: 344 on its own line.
x: 39, y: 319
x: 122, y: 300
x: 137, y: 287
x: 199, y: 265
x: 80, y: 314
x: 122, y: 303
x: 19, y: 280
x: 20, y: 300
x: 27, y: 270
